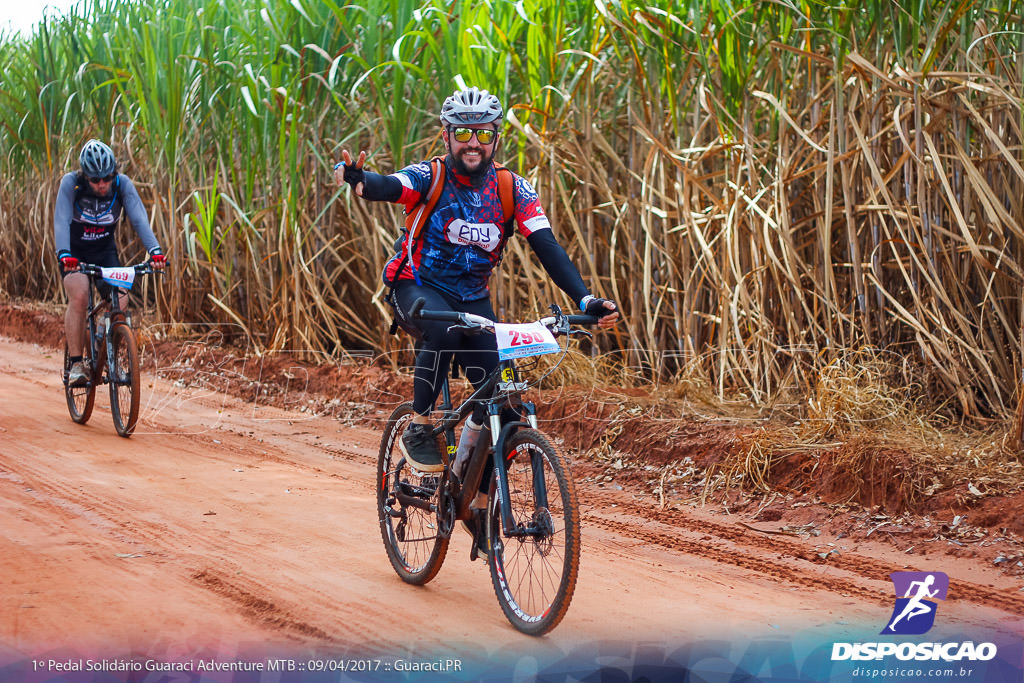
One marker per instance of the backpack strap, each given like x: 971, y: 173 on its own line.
x: 415, y: 221
x: 80, y: 183
x: 507, y: 194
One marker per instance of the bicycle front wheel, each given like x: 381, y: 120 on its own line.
x: 534, y: 567
x: 410, y: 530
x: 123, y: 375
x: 80, y: 399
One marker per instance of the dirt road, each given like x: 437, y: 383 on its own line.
x: 228, y: 530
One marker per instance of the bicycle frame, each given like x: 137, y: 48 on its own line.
x: 111, y: 316
x: 501, y: 387
x: 528, y: 533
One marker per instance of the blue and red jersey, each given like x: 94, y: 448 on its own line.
x: 463, y: 239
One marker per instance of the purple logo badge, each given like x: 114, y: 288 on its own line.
x: 916, y: 593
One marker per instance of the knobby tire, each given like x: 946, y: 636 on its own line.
x: 123, y: 376
x: 414, y: 545
x: 534, y: 577
x: 80, y: 399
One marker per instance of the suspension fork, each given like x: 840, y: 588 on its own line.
x: 508, y: 524
x: 112, y: 318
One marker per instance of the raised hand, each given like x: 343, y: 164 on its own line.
x: 345, y: 171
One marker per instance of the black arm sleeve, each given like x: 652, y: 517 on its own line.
x: 381, y: 188
x: 556, y: 262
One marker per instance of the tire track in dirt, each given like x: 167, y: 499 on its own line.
x: 262, y: 605
x: 71, y: 503
x: 346, y: 454
x: 275, y: 454
x: 256, y: 608
x: 856, y: 564
x: 160, y: 542
x: 759, y: 565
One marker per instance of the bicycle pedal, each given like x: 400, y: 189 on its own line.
x: 478, y: 548
x: 430, y: 483
x: 476, y: 552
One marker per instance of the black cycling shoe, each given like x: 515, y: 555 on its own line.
x: 419, y: 446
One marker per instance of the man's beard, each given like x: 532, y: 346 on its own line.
x: 475, y: 177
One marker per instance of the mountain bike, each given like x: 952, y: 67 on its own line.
x: 529, y: 531
x: 111, y: 355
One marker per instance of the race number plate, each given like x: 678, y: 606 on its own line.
x: 519, y: 341
x: 118, y: 277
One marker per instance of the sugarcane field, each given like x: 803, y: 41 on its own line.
x: 690, y: 334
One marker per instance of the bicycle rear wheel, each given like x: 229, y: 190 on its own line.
x: 534, y: 574
x: 80, y: 399
x: 411, y: 534
x: 123, y: 375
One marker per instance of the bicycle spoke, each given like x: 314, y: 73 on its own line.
x: 412, y: 539
x: 534, y: 569
x: 79, y: 399
x: 124, y: 380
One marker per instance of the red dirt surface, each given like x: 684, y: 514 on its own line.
x: 242, y: 511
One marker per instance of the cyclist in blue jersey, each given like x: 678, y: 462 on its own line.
x: 90, y: 204
x: 450, y: 261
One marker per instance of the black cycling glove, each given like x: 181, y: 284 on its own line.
x: 352, y: 175
x: 592, y: 305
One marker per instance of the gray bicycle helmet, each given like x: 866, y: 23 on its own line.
x: 466, y: 107
x: 97, y: 159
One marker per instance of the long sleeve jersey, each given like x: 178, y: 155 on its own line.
x: 83, y: 222
x: 463, y: 239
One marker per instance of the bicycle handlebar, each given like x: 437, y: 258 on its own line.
x: 575, y: 319
x: 140, y: 269
x: 445, y: 316
x: 470, y: 320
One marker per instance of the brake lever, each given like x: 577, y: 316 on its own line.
x: 561, y: 325
x: 581, y: 333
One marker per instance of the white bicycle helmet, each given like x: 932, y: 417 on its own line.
x: 466, y: 107
x: 97, y: 159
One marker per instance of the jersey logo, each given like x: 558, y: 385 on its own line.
x: 487, y: 236
x: 94, y: 232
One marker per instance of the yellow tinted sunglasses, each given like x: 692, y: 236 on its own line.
x: 484, y: 136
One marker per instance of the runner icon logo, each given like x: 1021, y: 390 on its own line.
x: 915, y: 608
